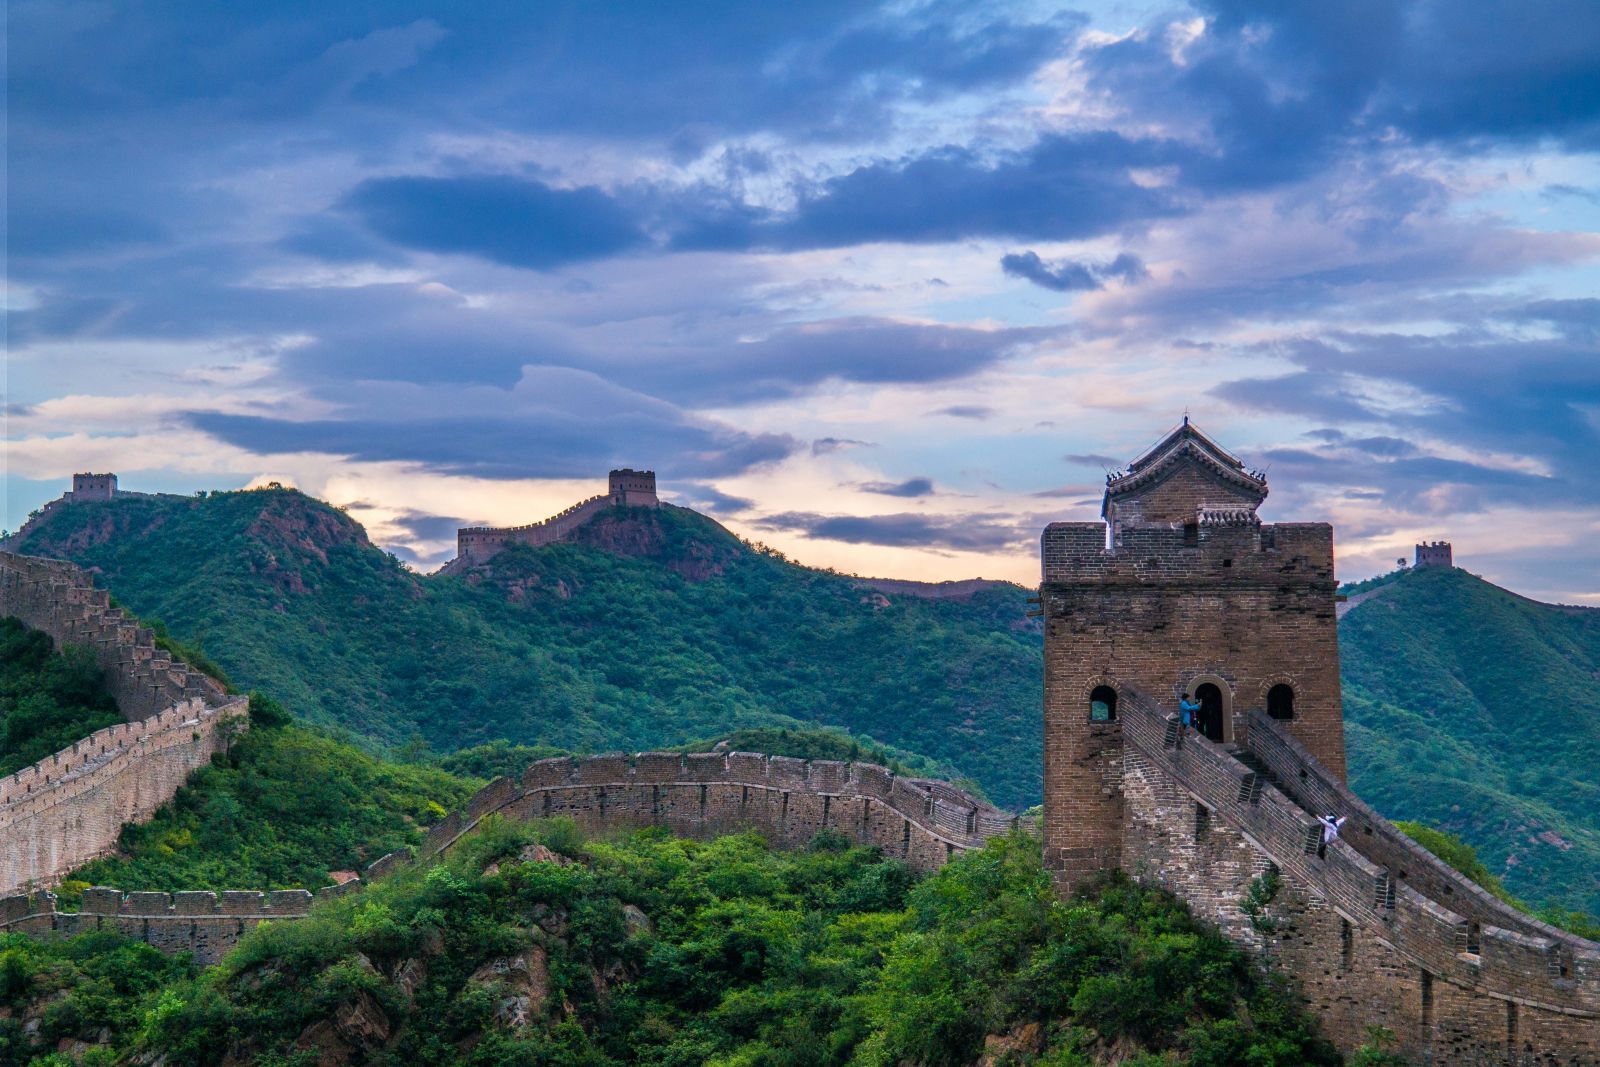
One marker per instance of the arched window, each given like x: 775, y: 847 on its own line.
x: 1103, y: 704
x: 1280, y: 701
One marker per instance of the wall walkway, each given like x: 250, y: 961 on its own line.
x: 1465, y: 980
x: 69, y: 808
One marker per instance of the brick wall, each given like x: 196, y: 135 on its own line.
x: 60, y: 600
x: 1366, y: 946
x: 69, y: 808
x: 1245, y: 607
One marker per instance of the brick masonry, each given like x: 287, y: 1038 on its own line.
x: 70, y: 807
x: 624, y: 488
x: 788, y: 801
x: 1184, y: 585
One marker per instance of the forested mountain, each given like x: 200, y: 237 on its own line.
x: 1476, y: 710
x: 657, y: 628
x: 1467, y: 707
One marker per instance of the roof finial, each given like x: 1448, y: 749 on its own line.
x: 1186, y: 416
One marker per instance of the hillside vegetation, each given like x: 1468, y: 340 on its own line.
x: 1467, y: 707
x: 49, y: 698
x: 1477, y: 711
x: 281, y: 809
x: 658, y: 628
x: 650, y: 950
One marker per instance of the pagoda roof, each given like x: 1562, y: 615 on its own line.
x: 1185, y: 442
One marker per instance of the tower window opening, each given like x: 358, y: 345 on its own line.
x: 1103, y: 704
x: 1280, y: 701
x: 1191, y: 533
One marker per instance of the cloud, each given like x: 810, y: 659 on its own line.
x: 555, y: 423
x: 958, y: 532
x: 703, y: 497
x: 425, y: 527
x: 1069, y: 275
x: 909, y: 487
x: 518, y: 222
x: 1063, y: 187
x: 1092, y: 459
x: 823, y: 445
x: 966, y: 411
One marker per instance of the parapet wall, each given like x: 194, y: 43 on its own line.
x: 1509, y: 986
x: 202, y: 922
x: 69, y: 808
x: 705, y: 794
x: 59, y: 599
x: 702, y: 795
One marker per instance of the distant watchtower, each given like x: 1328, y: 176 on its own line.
x: 93, y: 487
x: 1182, y: 589
x: 633, y: 488
x: 1434, y: 554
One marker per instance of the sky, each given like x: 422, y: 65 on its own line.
x: 885, y: 286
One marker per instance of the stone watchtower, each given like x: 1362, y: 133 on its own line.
x: 635, y: 489
x: 1182, y: 589
x: 1434, y: 554
x: 93, y: 487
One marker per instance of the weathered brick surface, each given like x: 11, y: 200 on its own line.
x: 1186, y: 585
x: 69, y: 808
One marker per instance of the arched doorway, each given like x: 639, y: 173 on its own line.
x: 1211, y: 719
x: 1280, y: 701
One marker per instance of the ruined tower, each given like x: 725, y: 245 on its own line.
x: 1434, y: 554
x: 1182, y: 590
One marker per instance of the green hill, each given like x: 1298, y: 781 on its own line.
x: 1473, y: 709
x: 657, y: 628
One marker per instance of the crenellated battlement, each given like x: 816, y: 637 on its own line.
x: 59, y: 599
x: 1421, y: 915
x: 625, y: 488
x: 70, y: 806
x: 698, y: 795
x: 1184, y: 594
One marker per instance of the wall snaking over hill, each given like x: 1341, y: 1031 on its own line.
x: 60, y: 600
x: 705, y: 794
x: 698, y: 795
x: 69, y: 808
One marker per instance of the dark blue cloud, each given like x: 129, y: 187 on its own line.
x: 545, y: 444
x: 827, y: 68
x: 911, y: 487
x: 1063, y: 187
x: 426, y: 527
x: 703, y: 497
x: 1070, y: 275
x: 522, y: 223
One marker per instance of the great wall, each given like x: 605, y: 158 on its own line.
x: 1182, y: 589
x: 69, y: 808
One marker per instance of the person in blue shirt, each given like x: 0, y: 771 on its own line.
x: 1188, y: 708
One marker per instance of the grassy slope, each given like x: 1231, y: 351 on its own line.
x: 1475, y: 710
x: 666, y: 630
